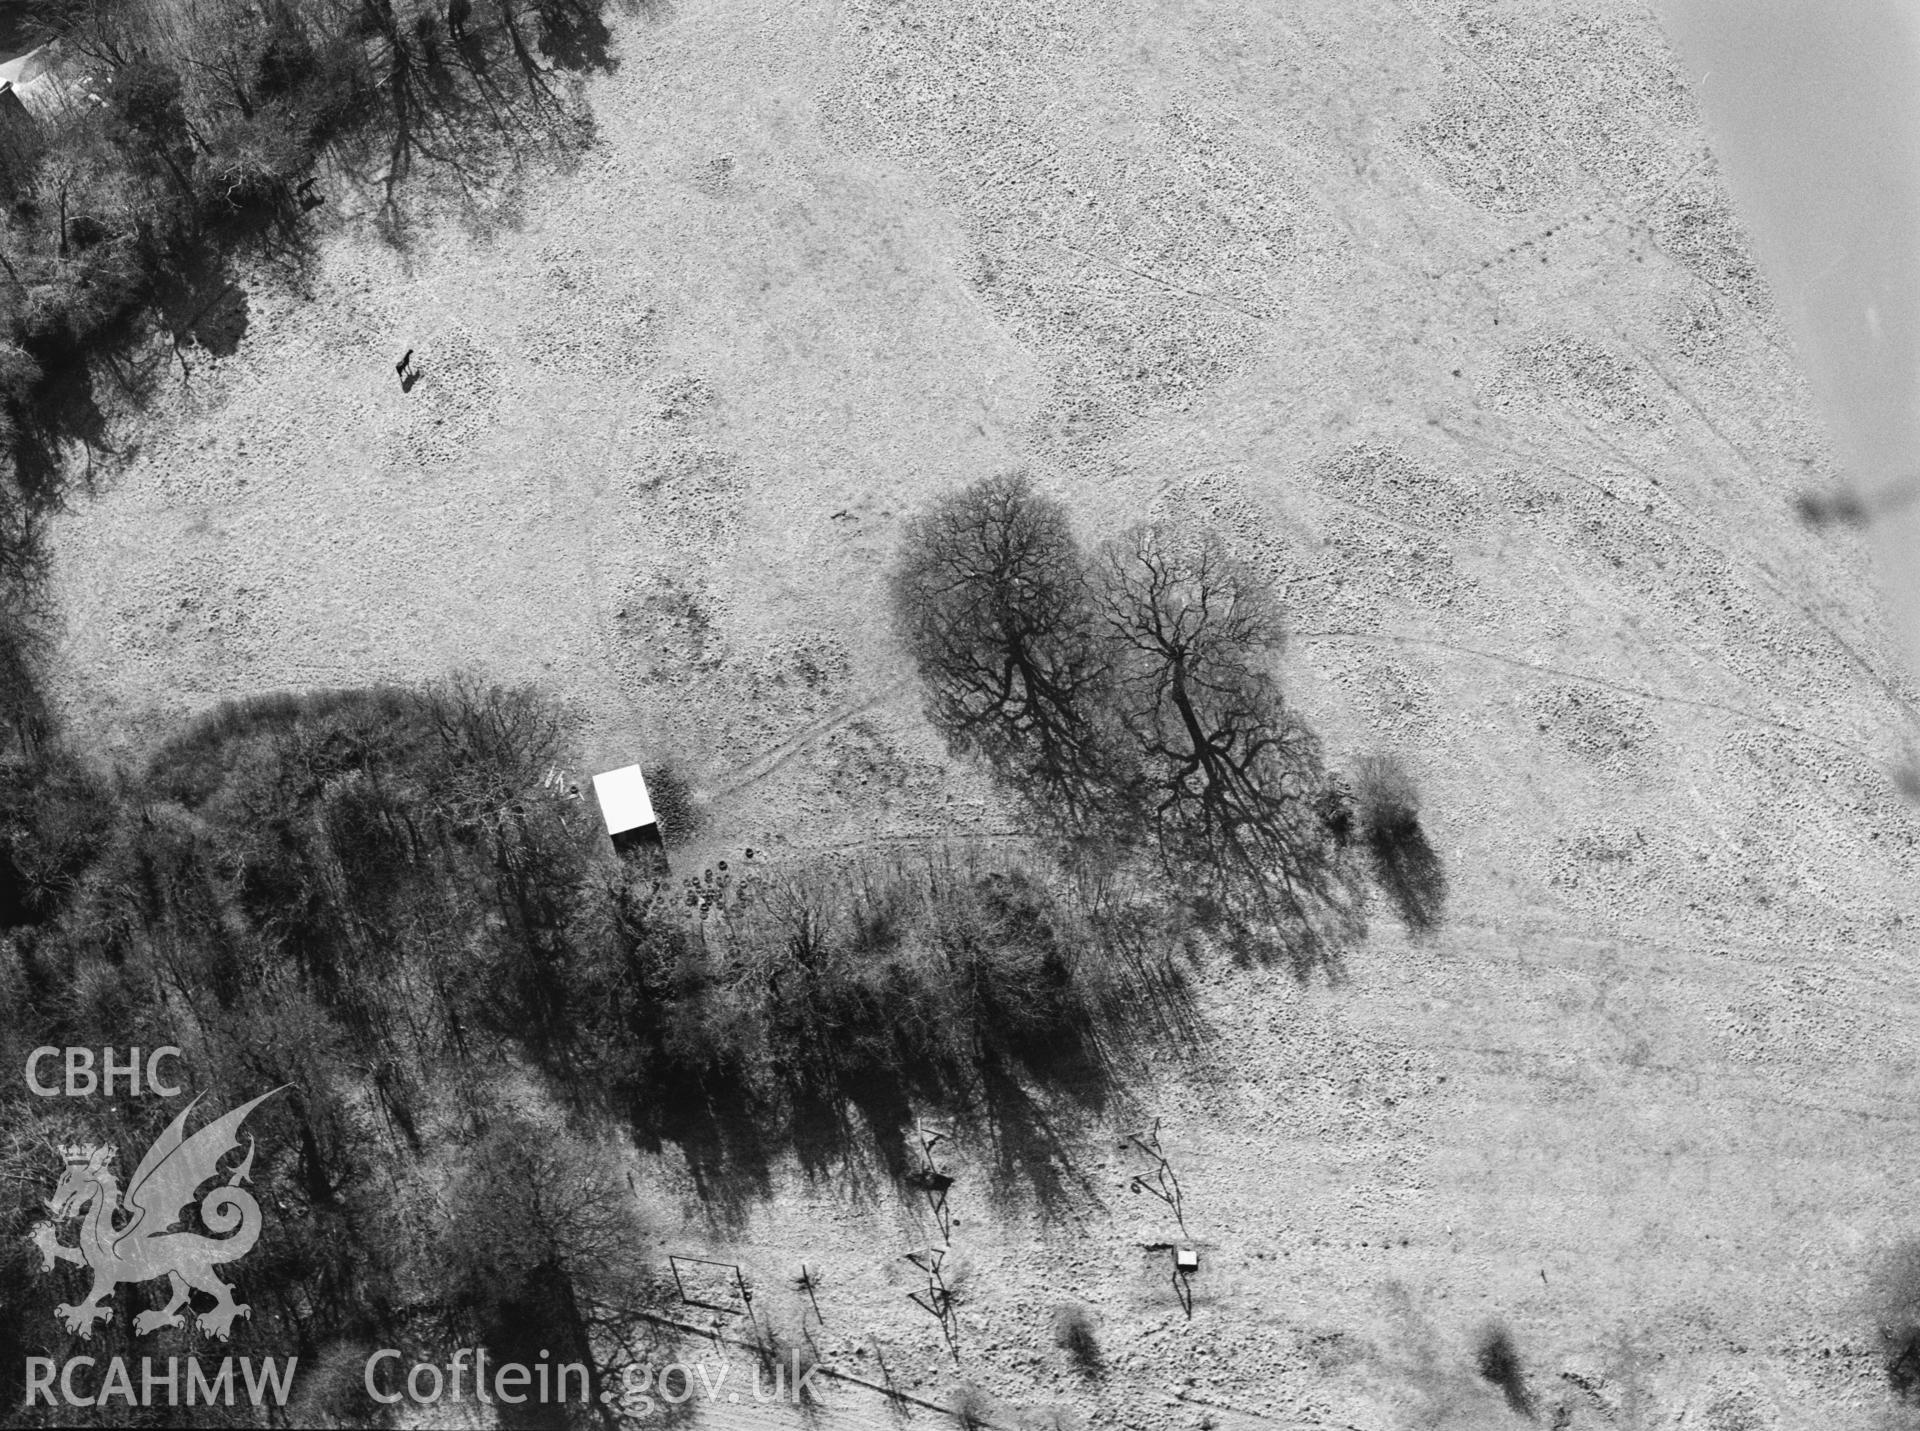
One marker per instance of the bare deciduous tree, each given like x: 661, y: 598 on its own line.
x: 495, y: 741
x: 1127, y: 700
x: 544, y: 1243
x: 991, y: 599
x: 1231, y: 776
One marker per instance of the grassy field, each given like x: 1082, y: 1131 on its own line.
x: 1441, y: 315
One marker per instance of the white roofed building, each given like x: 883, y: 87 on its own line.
x: 627, y: 808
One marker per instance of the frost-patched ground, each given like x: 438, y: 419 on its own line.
x: 1440, y: 313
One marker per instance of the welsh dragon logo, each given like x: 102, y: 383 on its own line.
x: 145, y: 1246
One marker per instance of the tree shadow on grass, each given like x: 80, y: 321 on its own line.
x: 1075, y: 1333
x: 858, y: 1128
x: 819, y: 1015
x: 855, y: 1121
x: 1410, y: 872
x: 1033, y: 1157
x: 721, y: 1128
x: 1405, y: 863
x: 575, y: 36
x: 199, y: 300
x: 1893, y: 1303
x: 1498, y: 1362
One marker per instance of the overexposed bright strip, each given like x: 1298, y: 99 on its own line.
x: 1813, y: 107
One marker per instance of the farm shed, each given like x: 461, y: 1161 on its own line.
x: 627, y: 809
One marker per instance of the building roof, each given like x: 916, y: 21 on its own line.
x: 26, y: 65
x: 35, y: 78
x: 624, y: 803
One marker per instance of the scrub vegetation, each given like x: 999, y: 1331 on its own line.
x: 374, y: 896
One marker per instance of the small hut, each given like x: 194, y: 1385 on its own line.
x: 627, y: 809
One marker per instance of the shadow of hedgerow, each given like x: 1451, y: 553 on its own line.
x: 826, y: 1007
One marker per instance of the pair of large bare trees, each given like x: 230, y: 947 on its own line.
x: 1125, y: 696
